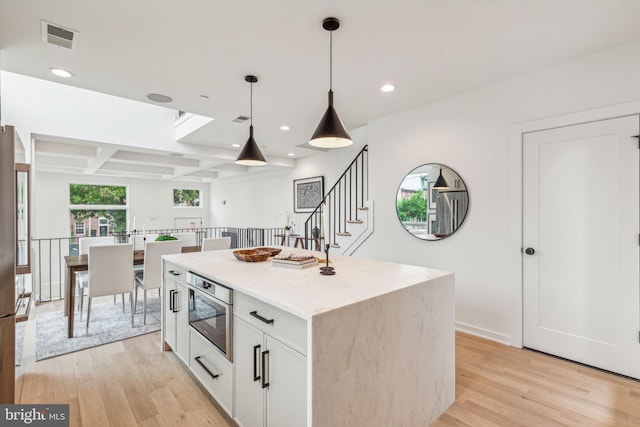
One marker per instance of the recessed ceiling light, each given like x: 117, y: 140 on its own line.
x: 291, y: 154
x: 388, y: 88
x: 61, y: 73
x: 204, y: 97
x: 176, y: 154
x: 157, y: 97
x: 285, y: 127
x: 235, y: 145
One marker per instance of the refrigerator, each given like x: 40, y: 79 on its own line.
x: 7, y: 265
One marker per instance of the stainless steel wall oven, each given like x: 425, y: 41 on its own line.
x: 211, y: 312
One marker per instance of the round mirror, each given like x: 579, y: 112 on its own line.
x: 432, y: 202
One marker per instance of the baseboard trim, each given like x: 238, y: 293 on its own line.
x: 484, y: 333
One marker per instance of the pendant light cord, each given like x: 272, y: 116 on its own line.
x: 251, y: 105
x: 330, y: 60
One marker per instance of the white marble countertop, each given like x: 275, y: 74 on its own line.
x: 305, y: 292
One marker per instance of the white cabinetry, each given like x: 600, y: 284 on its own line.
x: 175, y: 311
x: 270, y: 365
x: 213, y: 370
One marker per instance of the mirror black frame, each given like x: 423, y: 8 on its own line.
x: 449, y: 203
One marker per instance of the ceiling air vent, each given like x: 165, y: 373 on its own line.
x: 240, y: 119
x: 58, y: 36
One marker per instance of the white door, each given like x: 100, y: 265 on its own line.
x: 581, y: 242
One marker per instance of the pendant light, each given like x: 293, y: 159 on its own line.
x: 330, y: 132
x: 441, y: 183
x: 251, y: 154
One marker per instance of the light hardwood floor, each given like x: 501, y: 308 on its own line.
x: 126, y: 383
x: 132, y: 383
x: 498, y: 385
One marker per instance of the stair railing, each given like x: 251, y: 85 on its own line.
x: 340, y: 205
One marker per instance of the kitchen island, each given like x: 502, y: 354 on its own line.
x: 372, y: 345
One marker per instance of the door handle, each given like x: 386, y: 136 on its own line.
x: 175, y: 305
x: 265, y: 369
x: 529, y: 251
x: 171, y: 300
x: 256, y: 377
x: 207, y: 370
x: 263, y: 319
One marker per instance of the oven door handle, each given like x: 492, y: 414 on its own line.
x: 256, y: 377
x: 264, y: 319
x: 211, y: 374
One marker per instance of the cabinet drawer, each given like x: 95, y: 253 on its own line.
x: 288, y: 328
x: 175, y: 273
x: 220, y: 387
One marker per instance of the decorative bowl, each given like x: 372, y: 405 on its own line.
x: 251, y: 255
x: 273, y: 251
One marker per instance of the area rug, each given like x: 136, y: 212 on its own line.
x: 19, y: 342
x: 108, y: 324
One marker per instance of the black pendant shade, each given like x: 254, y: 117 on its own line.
x: 441, y: 183
x: 250, y: 155
x: 330, y: 132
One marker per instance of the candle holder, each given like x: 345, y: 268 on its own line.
x: 327, y: 271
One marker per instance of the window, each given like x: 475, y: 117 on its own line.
x: 79, y: 228
x: 186, y: 198
x: 100, y: 208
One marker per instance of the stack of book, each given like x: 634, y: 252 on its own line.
x: 294, y: 261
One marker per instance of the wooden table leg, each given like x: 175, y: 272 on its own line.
x: 70, y: 297
x: 299, y: 240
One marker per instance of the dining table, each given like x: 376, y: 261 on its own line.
x: 77, y: 263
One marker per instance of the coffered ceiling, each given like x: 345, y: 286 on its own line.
x: 429, y: 49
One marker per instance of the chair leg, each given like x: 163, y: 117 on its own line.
x: 88, y: 315
x: 135, y: 303
x: 144, y: 315
x: 81, y: 302
x: 130, y: 302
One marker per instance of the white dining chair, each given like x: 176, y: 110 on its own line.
x: 151, y: 276
x: 216, y: 243
x: 82, y: 277
x: 110, y: 273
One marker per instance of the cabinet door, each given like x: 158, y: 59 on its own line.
x: 169, y: 314
x: 182, y: 323
x: 249, y: 395
x: 286, y: 397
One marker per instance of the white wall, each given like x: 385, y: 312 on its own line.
x: 260, y: 201
x: 471, y: 134
x: 151, y: 202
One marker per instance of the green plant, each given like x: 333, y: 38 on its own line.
x: 413, y: 208
x: 164, y: 237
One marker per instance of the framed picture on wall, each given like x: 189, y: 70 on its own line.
x: 307, y: 193
x: 183, y: 197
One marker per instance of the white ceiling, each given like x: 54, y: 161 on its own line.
x: 430, y: 49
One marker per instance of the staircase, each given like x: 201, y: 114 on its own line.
x: 344, y: 218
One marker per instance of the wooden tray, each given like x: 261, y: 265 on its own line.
x: 251, y: 255
x: 273, y: 251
